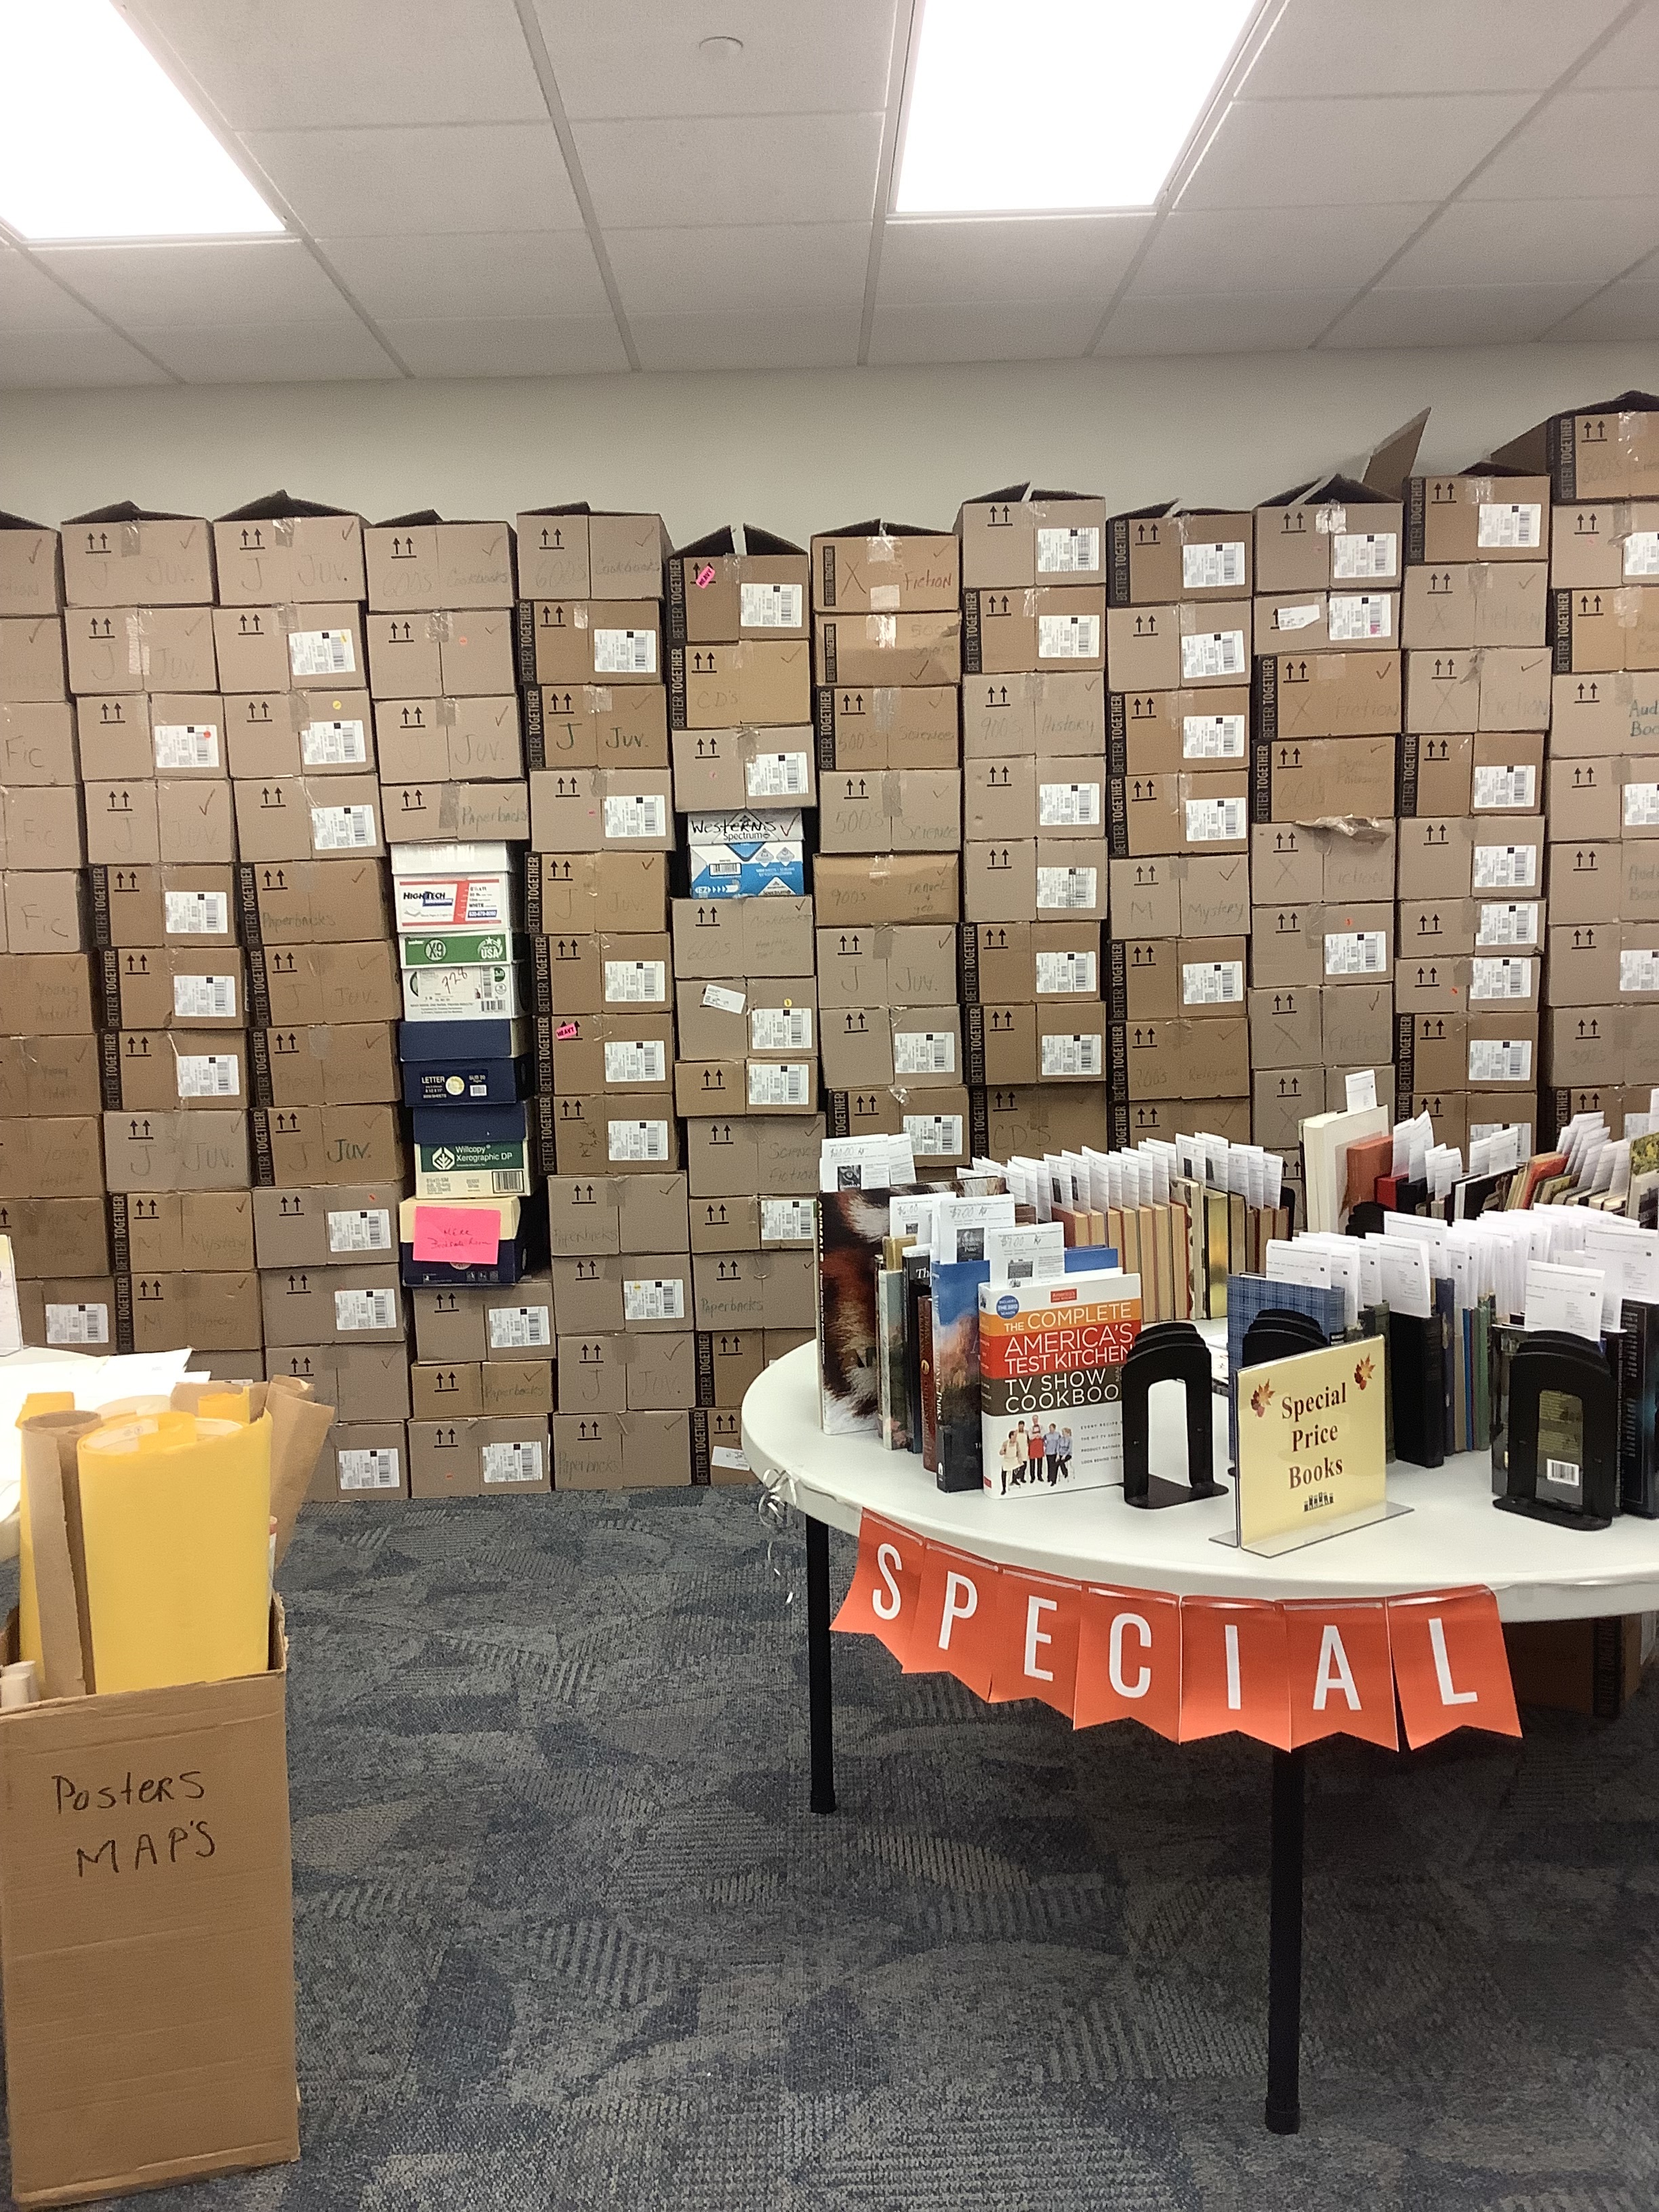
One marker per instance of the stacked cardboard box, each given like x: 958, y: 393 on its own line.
x: 1326, y: 709
x: 1178, y: 588
x: 1035, y: 882
x: 1471, y: 841
x: 52, y: 1183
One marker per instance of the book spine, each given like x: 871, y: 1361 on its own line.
x: 929, y: 1391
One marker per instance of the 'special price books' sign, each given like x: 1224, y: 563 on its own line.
x: 1312, y: 1446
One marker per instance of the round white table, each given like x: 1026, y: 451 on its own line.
x: 1452, y: 1536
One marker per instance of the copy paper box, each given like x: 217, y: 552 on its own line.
x: 49, y: 1235
x: 900, y: 888
x: 419, y: 561
x: 1053, y: 711
x: 364, y: 1459
x: 491, y: 813
x: 49, y: 1075
x: 210, y: 1312
x: 1043, y: 626
x: 1309, y: 779
x: 1321, y: 622
x: 1337, y: 533
x: 764, y: 682
x: 1167, y: 648
x: 894, y: 810
x: 30, y: 568
x: 123, y: 557
x: 1005, y: 961
x: 277, y: 551
x: 47, y: 994
x: 1163, y: 732
x: 324, y: 1064
x: 52, y: 1158
x: 1467, y: 604
x: 345, y: 1145
x: 66, y: 1313
x: 745, y: 1289
x: 1328, y: 695
x: 350, y: 982
x: 293, y: 818
x: 205, y: 1149
x: 611, y: 641
x: 888, y: 726
x: 40, y: 830
x: 302, y: 902
x: 733, y: 1157
x: 32, y: 666
x: 172, y: 987
x: 37, y: 743
x: 276, y: 648
x: 436, y: 740
x: 622, y: 1451
x: 718, y: 595
x: 876, y: 567
x: 886, y: 964
x: 571, y: 552
x: 601, y: 809
x: 759, y: 937
x: 140, y: 648
x: 44, y: 913
x: 887, y: 648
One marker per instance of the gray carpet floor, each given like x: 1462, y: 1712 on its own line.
x: 567, y: 1936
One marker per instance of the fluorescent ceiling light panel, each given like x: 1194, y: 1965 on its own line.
x: 97, y: 141
x: 1052, y: 105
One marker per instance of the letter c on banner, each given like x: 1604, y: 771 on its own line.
x: 956, y: 1629
x: 881, y: 1601
x: 1128, y: 1660
x: 1450, y: 1665
x: 1114, y: 1674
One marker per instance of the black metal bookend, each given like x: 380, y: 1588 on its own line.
x: 1170, y: 1351
x: 1563, y: 1457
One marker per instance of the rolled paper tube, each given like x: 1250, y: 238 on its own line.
x: 51, y: 1611
x: 19, y: 1685
x: 299, y: 1427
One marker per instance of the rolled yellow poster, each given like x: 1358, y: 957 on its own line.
x: 51, y: 1628
x: 175, y: 1514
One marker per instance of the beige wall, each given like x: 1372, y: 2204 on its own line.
x: 792, y: 451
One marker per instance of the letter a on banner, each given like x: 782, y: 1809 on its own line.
x: 1450, y: 1665
x: 886, y: 1583
x: 956, y: 1631
x: 1233, y: 1670
x: 1342, y: 1683
x: 1036, y: 1653
x: 1128, y: 1660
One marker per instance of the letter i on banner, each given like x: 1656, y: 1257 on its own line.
x: 1342, y: 1682
x: 1036, y: 1653
x: 1450, y: 1665
x: 956, y: 1631
x: 1128, y: 1661
x: 1233, y: 1670
x: 882, y: 1598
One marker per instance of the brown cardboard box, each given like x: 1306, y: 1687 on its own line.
x: 1315, y: 946
x: 885, y: 965
x: 1594, y: 631
x: 475, y: 813
x: 1311, y: 779
x: 1430, y: 1053
x: 52, y: 1158
x: 1357, y: 1026
x: 1163, y: 732
x: 1592, y: 716
x: 1070, y: 1042
x: 343, y: 1144
x: 157, y: 1070
x: 888, y: 726
x: 210, y: 1311
x: 272, y: 648
x: 456, y: 653
x: 998, y: 882
x: 495, y: 1321
x: 31, y: 669
x: 746, y: 1086
x: 1172, y: 896
x: 173, y: 1231
x: 1498, y: 515
x: 339, y: 1226
x: 1286, y: 1030
x: 362, y: 1381
x: 899, y: 888
x: 206, y: 1149
x: 1321, y: 622
x: 1053, y: 711
x: 437, y: 740
x: 47, y: 994
x: 1503, y: 1050
x: 68, y: 1312
x: 1144, y: 978
x: 1585, y: 966
x: 622, y: 1451
x: 1178, y: 1059
x: 573, y: 553
x: 629, y: 1050
x: 1435, y: 857
x: 1303, y: 864
x: 732, y: 770
x: 1477, y: 984
x: 175, y: 733
x: 1586, y: 883
x: 51, y: 1235
x: 337, y: 1064
x: 1003, y: 961
x: 1328, y: 695
x: 446, y: 1393
x: 894, y: 810
x: 569, y: 641
x: 612, y: 890
x: 1498, y: 687
x: 646, y: 1293
x: 1167, y: 648
x: 1590, y: 542
x: 938, y: 1123
x: 1026, y: 631
x: 1178, y: 814
x: 746, y: 1289
x: 601, y: 1134
x: 882, y: 568
x: 729, y: 1360
x: 418, y: 561
x: 329, y: 983
x: 602, y: 971
x: 760, y: 937
x: 30, y: 568
x: 1475, y: 603
x: 763, y: 681
x: 40, y: 830
x: 363, y: 1459
x: 919, y: 1046
x: 44, y: 912
x: 734, y: 1157
x: 1170, y: 553
x: 1638, y: 879
x: 1032, y: 537
x: 296, y: 818
x: 593, y: 1374
x: 37, y: 742
x: 49, y: 1075
x: 333, y: 1306
x: 140, y: 648
x: 753, y: 1224
x: 1001, y: 1042
x: 1039, y: 1118
x: 746, y: 1017
x: 1281, y: 1099
x: 308, y: 902
x: 878, y: 649
x: 1603, y: 452
x: 1582, y: 1045
x: 1484, y: 771
x: 718, y: 595
x: 589, y: 1217
x: 1205, y: 976
x: 514, y: 1389
x: 1335, y: 532
x: 601, y: 809
x: 267, y: 554
x: 478, y: 1457
x: 121, y: 555
x: 1020, y: 796
x: 1584, y: 799
x: 169, y: 986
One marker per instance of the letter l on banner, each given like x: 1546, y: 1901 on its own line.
x: 1450, y: 1665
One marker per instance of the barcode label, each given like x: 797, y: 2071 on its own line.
x: 1211, y: 983
x: 1211, y: 653
x: 769, y: 606
x: 321, y: 653
x: 369, y: 1229
x: 196, y: 914
x: 77, y: 1324
x: 781, y: 1029
x: 519, y: 1462
x: 1638, y: 971
x: 786, y: 1220
x: 657, y: 1300
x: 1068, y: 637
x: 1493, y: 1059
x: 924, y: 1052
x: 1065, y: 888
x: 1500, y: 979
x: 1516, y: 787
x: 1508, y: 925
x: 1065, y: 974
x: 1566, y: 1472
x: 1071, y: 1055
x: 509, y: 1182
x: 1354, y: 554
x: 333, y: 745
x: 636, y: 1059
x: 1068, y: 552
x: 358, y: 1310
x: 1641, y: 805
x: 624, y: 652
x: 1063, y: 805
x: 636, y: 1140
x: 1505, y: 867
x: 645, y: 815
x: 1357, y: 952
x: 1213, y: 737
x: 777, y: 776
x: 204, y: 997
x: 722, y: 1001
x: 933, y: 1136
x: 369, y: 1470
x: 185, y: 744
x: 208, y: 1075
x: 342, y: 829
x: 781, y: 1082
x: 1642, y: 553
x: 1362, y: 614
x: 1216, y: 821
x: 516, y: 1328
x: 1499, y: 525
x: 1218, y: 568
x: 636, y: 982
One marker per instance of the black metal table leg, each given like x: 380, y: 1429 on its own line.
x: 1284, y: 2112
x: 819, y: 1701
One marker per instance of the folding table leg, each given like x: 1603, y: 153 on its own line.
x: 819, y: 1702
x: 1284, y: 2111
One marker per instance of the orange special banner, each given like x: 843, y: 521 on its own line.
x: 1285, y: 1671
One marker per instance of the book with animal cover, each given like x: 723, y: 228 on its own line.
x: 1051, y: 1372
x: 851, y: 1226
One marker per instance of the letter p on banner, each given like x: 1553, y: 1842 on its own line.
x: 1450, y: 1665
x: 881, y: 1601
x: 1342, y: 1683
x: 1234, y: 1674
x: 1128, y: 1660
x: 956, y: 1629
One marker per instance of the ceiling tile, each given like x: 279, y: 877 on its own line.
x: 1218, y: 322
x: 1237, y: 250
x: 1348, y: 152
x: 784, y: 266
x: 1320, y: 47
x: 452, y: 176
x: 1630, y: 310
x: 29, y: 300
x: 240, y: 353
x: 272, y: 64
x: 1547, y: 242
x: 1079, y: 258
x: 644, y: 59
x: 1010, y: 329
x: 256, y: 281
x: 535, y: 345
x: 1457, y: 315
x: 54, y: 359
x: 511, y: 275
x: 711, y: 171
x: 1629, y: 59
x: 800, y: 340
x: 1584, y: 145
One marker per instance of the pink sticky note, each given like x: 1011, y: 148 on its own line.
x: 465, y: 1235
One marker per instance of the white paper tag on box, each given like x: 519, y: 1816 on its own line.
x: 636, y: 1140
x: 781, y: 1029
x: 1500, y: 979
x: 77, y: 1324
x: 1211, y: 983
x: 1357, y: 952
x: 1068, y: 552
x: 1216, y: 567
x: 196, y: 914
x: 367, y: 1229
x: 1508, y: 925
x: 1066, y: 889
x: 1068, y: 805
x: 1356, y: 615
x: 1303, y: 616
x: 1066, y: 974
x: 769, y: 606
x: 656, y: 1299
x: 1213, y: 737
x: 787, y: 1220
x: 635, y: 1060
x: 514, y: 1463
x: 1071, y: 1055
x: 1216, y: 821
x: 777, y: 776
x: 1213, y: 652
x: 636, y: 982
x: 1357, y: 554
x: 722, y: 1001
x: 321, y: 653
x: 933, y: 1136
x: 924, y: 1052
x: 644, y: 815
x: 781, y: 1082
x: 1068, y: 637
x: 1497, y: 1060
x: 518, y: 1328
x: 361, y: 1309
x: 1505, y: 867
x: 730, y: 1457
x: 204, y: 997
x: 185, y: 744
x: 624, y: 652
x: 377, y: 1469
x: 333, y: 745
x: 342, y: 829
x: 1642, y: 553
x: 208, y: 1075
x: 1515, y: 788
x: 1500, y: 525
x: 1638, y: 971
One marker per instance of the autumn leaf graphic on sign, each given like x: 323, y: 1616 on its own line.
x: 1261, y: 1399
x: 1364, y: 1372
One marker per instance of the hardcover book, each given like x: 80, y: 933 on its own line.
x: 1051, y: 1369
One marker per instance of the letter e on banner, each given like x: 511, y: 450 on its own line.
x: 1036, y: 1653
x: 1342, y: 1683
x: 1128, y: 1660
x: 1450, y: 1665
x: 882, y: 1598
x: 1233, y: 1670
x: 956, y: 1631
